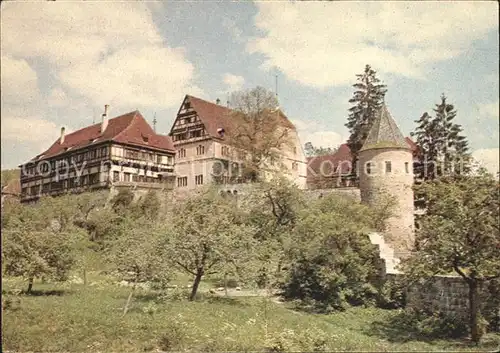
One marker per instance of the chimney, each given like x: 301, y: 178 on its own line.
x: 61, y: 140
x: 104, y: 123
x: 217, y: 101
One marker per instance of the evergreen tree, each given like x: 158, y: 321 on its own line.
x: 367, y: 99
x: 443, y: 150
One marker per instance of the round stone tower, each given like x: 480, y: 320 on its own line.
x: 386, y: 175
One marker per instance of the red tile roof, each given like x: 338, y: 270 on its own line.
x: 322, y: 165
x: 130, y: 128
x: 215, y: 116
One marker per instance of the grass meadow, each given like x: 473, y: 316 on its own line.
x: 70, y: 317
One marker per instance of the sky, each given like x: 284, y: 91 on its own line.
x: 62, y: 61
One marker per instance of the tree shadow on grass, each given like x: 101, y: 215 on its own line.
x: 408, y: 326
x: 224, y: 300
x: 43, y: 293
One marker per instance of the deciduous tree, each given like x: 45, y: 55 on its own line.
x: 460, y: 233
x: 207, y: 235
x: 259, y: 131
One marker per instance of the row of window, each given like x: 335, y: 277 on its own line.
x: 200, y: 150
x: 388, y: 167
x: 45, y: 166
x: 146, y: 156
x: 84, y: 180
x: 189, y: 135
x: 183, y: 181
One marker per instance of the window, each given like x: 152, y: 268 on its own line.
x: 200, y: 150
x: 388, y: 166
x: 295, y: 166
x: 180, y: 137
x: 368, y: 167
x: 187, y: 120
x: 126, y: 176
x: 407, y: 167
x: 182, y: 181
x: 181, y: 153
x: 225, y: 151
x: 104, y: 151
x: 295, y: 150
x: 132, y: 154
x: 46, y: 187
x: 196, y: 133
x: 116, y: 176
x: 198, y: 179
x: 93, y: 178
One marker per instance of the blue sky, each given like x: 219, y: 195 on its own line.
x: 62, y: 61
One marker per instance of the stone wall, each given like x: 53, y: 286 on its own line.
x: 347, y: 191
x: 449, y: 294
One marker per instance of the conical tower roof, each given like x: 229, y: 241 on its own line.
x: 384, y: 133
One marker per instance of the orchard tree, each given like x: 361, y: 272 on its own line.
x: 259, y: 131
x: 207, y: 236
x: 460, y: 233
x: 137, y: 255
x: 367, y: 100
x: 272, y: 208
x: 443, y: 149
x: 35, y: 244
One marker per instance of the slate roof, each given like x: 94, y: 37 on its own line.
x: 215, y: 116
x: 384, y: 133
x: 130, y: 128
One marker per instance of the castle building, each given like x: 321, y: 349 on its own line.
x: 202, y: 133
x: 121, y: 151
x: 386, y: 173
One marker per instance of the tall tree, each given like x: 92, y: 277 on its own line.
x: 367, y: 99
x: 459, y: 233
x: 260, y: 131
x: 443, y: 150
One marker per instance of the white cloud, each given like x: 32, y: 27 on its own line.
x: 107, y: 52
x: 310, y: 131
x: 57, y: 98
x: 325, y: 44
x: 233, y: 82
x: 19, y: 82
x: 490, y: 110
x: 30, y: 129
x: 488, y: 158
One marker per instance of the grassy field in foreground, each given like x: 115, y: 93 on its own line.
x: 71, y: 317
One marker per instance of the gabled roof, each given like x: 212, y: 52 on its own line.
x: 384, y: 133
x: 130, y: 128
x: 215, y: 116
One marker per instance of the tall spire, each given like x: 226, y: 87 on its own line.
x: 154, y: 122
x: 384, y: 132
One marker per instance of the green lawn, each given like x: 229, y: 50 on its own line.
x: 71, y: 317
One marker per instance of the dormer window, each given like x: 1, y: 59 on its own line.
x: 145, y: 138
x: 221, y: 132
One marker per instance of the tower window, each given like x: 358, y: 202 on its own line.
x: 368, y: 168
x: 407, y: 167
x: 388, y: 166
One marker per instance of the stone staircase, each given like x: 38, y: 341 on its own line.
x: 386, y: 253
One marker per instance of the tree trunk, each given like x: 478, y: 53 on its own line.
x: 225, y: 283
x: 128, y: 300
x: 30, y: 285
x: 474, y: 311
x: 196, y: 283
